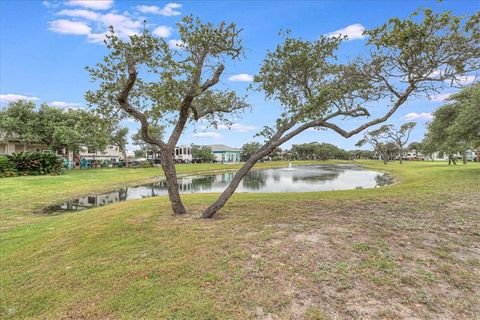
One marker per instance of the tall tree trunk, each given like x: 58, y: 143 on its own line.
x: 478, y: 155
x: 464, y: 157
x: 171, y: 180
x: 125, y: 158
x: 401, y: 155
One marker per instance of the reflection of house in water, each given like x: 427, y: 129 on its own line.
x: 94, y: 201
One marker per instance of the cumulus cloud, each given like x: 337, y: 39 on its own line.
x: 80, y: 13
x: 15, y: 97
x: 210, y: 134
x: 92, y: 4
x: 237, y: 127
x: 241, y: 77
x: 353, y: 32
x: 162, y: 31
x: 417, y: 116
x: 441, y: 97
x: 167, y: 10
x: 69, y: 27
x: 64, y: 104
x: 10, y: 97
x: 123, y: 24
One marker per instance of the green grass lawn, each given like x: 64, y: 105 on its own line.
x: 410, y: 250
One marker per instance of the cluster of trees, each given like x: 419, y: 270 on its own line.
x: 61, y: 130
x: 455, y: 127
x: 318, y: 151
x: 387, y: 141
x: 157, y: 85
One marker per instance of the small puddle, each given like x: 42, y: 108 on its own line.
x: 309, y: 178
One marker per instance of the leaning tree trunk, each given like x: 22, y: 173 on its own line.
x: 168, y: 166
x: 228, y: 192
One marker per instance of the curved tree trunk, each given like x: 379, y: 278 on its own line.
x: 168, y: 166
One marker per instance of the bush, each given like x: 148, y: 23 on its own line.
x: 7, y: 168
x: 51, y: 164
x: 33, y: 163
x: 26, y: 163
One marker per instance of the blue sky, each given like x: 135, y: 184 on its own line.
x: 45, y: 46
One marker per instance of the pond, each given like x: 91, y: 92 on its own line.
x: 309, y: 178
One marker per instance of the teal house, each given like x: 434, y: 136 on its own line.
x: 225, y: 154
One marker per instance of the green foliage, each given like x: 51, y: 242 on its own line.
x: 26, y: 163
x: 170, y: 78
x: 248, y: 149
x: 456, y: 125
x: 59, y: 129
x: 318, y: 151
x: 7, y: 168
x: 31, y: 163
x: 18, y: 120
x: 51, y: 163
x: 202, y: 153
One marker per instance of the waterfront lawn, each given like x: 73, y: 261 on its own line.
x: 410, y: 250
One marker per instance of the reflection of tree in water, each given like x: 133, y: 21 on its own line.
x: 202, y: 183
x: 383, y: 180
x: 122, y: 194
x: 254, y: 180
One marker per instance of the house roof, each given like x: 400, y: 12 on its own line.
x: 222, y: 147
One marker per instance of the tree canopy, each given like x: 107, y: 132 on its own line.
x: 57, y: 128
x: 456, y: 125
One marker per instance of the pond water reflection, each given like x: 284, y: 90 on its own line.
x: 296, y: 179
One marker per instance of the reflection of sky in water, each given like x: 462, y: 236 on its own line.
x: 297, y: 179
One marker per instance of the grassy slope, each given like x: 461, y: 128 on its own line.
x: 408, y: 250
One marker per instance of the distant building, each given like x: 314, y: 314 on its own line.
x: 111, y: 155
x: 225, y: 154
x: 181, y: 154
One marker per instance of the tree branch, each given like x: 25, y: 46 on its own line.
x: 122, y: 99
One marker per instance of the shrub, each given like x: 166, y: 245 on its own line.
x: 51, y: 164
x: 34, y: 163
x: 7, y: 168
x: 26, y: 163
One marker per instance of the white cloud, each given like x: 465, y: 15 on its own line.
x: 441, y: 97
x: 80, y: 13
x: 162, y: 31
x: 92, y: 4
x: 213, y: 135
x: 63, y: 104
x: 241, y: 77
x: 50, y: 4
x: 417, y: 116
x: 353, y: 32
x: 15, y: 97
x: 168, y: 10
x: 237, y: 127
x: 175, y: 44
x: 123, y: 24
x: 69, y: 27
